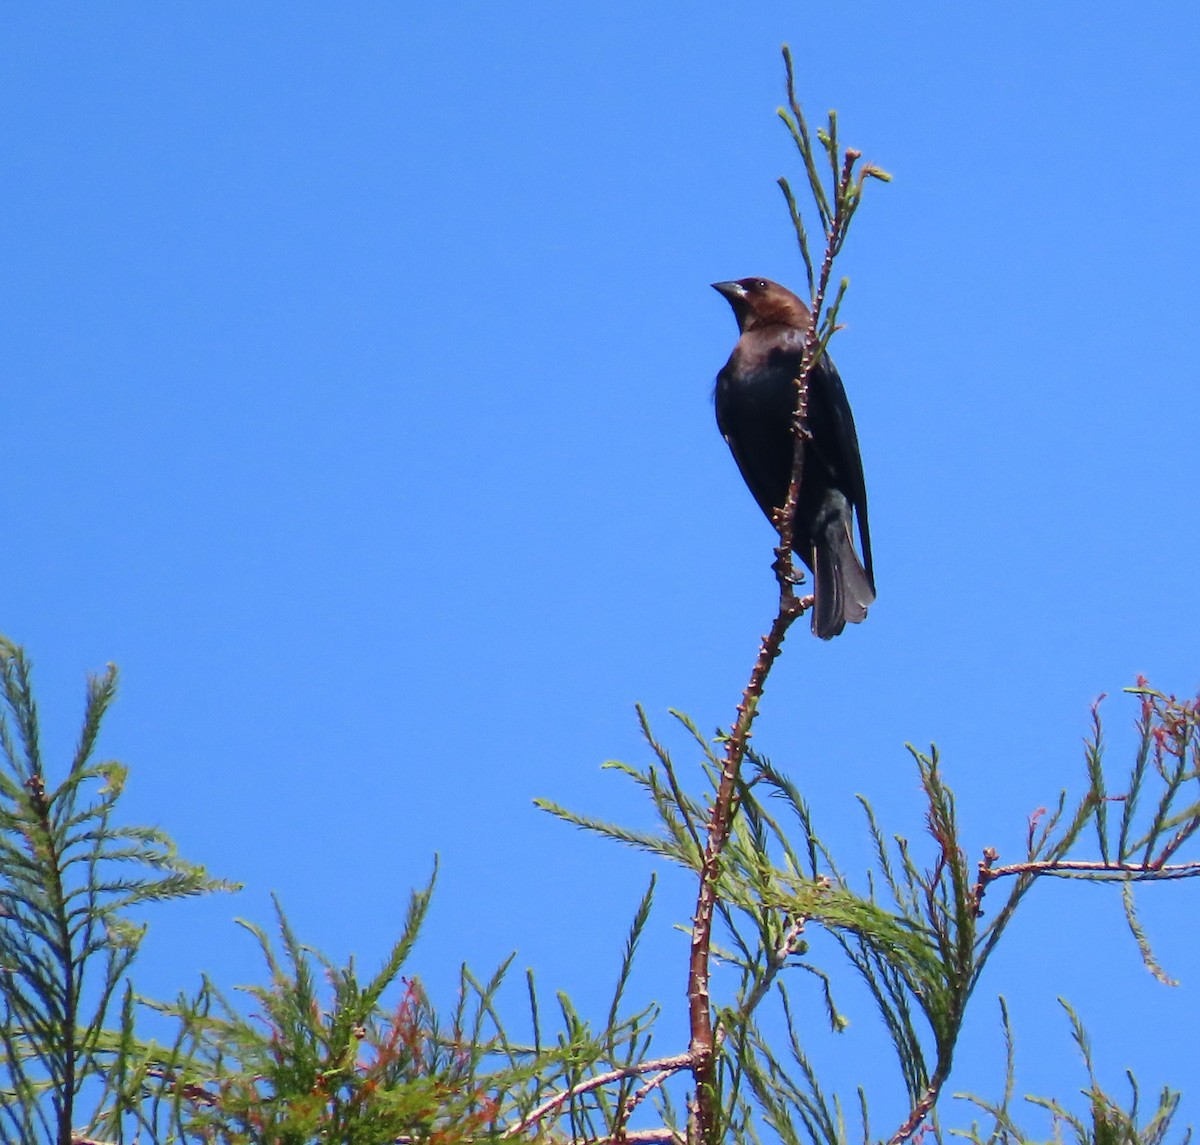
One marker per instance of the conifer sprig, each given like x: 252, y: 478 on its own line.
x: 69, y: 875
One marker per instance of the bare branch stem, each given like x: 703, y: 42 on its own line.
x: 1107, y: 872
x: 702, y: 1050
x: 666, y: 1066
x: 919, y: 1111
x: 835, y: 219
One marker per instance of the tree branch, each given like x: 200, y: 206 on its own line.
x: 1098, y: 870
x: 667, y: 1066
x: 846, y: 195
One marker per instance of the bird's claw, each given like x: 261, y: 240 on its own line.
x: 785, y: 570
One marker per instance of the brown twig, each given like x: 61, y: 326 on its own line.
x: 643, y: 1091
x: 1178, y: 839
x: 835, y: 222
x: 667, y: 1066
x: 644, y: 1137
x: 791, y: 608
x: 814, y: 347
x: 1106, y: 872
x: 921, y: 1110
x: 990, y: 855
x: 701, y: 1053
x: 188, y: 1090
x: 789, y: 945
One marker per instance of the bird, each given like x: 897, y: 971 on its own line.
x: 755, y: 399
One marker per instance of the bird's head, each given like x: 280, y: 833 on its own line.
x: 759, y: 302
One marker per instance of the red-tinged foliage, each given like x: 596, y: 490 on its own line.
x: 404, y: 1081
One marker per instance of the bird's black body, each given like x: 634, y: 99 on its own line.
x: 755, y: 400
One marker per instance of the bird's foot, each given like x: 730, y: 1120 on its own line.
x: 785, y: 569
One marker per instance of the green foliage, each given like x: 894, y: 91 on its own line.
x: 321, y: 1059
x: 1104, y: 1122
x: 916, y: 932
x: 835, y: 205
x: 70, y: 877
x: 326, y: 1055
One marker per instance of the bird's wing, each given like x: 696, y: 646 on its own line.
x: 833, y: 426
x: 761, y: 446
x: 833, y: 438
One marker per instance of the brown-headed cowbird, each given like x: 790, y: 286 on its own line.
x: 755, y: 400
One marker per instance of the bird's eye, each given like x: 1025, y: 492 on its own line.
x: 760, y: 284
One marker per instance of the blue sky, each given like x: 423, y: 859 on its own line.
x: 358, y: 368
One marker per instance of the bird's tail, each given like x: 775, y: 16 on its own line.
x: 841, y: 585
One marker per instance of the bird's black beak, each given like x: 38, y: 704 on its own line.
x: 738, y: 298
x: 731, y: 291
